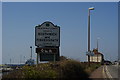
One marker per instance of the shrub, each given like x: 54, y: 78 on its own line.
x: 41, y: 71
x: 72, y: 69
x: 62, y: 69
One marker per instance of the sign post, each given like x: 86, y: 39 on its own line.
x: 47, y: 40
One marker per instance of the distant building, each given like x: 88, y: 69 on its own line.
x: 96, y: 57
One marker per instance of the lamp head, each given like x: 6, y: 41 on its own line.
x: 91, y: 8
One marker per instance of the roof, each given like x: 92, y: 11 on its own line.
x: 96, y: 51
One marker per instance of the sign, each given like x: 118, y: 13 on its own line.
x: 47, y: 34
x: 49, y: 57
x: 48, y: 53
x: 47, y: 50
x: 90, y: 53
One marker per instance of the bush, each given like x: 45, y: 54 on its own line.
x: 41, y: 71
x: 92, y: 67
x: 62, y: 69
x: 72, y: 69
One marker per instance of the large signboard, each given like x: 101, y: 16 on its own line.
x: 47, y: 34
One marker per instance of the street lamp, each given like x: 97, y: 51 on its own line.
x: 31, y: 52
x: 91, y: 8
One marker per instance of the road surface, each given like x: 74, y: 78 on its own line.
x: 106, y: 72
x: 113, y: 70
x: 0, y: 75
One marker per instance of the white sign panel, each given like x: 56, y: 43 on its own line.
x: 90, y: 53
x: 47, y: 34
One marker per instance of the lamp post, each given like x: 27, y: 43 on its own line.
x: 92, y: 8
x: 97, y: 47
x: 31, y: 52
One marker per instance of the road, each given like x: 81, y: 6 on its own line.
x: 106, y: 72
x: 0, y: 75
x: 111, y: 72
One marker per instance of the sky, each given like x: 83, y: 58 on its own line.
x: 0, y: 32
x: 20, y: 18
x: 59, y: 0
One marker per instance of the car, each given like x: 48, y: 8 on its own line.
x: 107, y: 62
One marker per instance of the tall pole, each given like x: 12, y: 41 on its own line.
x: 10, y: 60
x: 54, y: 58
x: 37, y: 58
x: 38, y: 54
x: 89, y: 36
x: 92, y: 8
x: 31, y: 52
x: 88, y: 30
x: 97, y: 49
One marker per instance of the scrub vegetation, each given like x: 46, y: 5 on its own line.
x: 64, y: 69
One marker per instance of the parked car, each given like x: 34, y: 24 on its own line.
x: 107, y: 62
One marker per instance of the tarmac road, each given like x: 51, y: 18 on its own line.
x: 106, y: 72
x: 0, y: 75
x: 113, y: 70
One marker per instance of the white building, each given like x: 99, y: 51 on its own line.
x: 96, y: 57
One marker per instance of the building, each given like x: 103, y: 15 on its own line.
x: 96, y: 57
